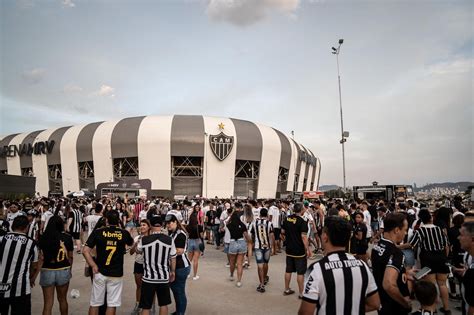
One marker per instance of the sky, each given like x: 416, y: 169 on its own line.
x: 406, y: 72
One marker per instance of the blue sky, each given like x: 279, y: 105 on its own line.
x: 406, y: 74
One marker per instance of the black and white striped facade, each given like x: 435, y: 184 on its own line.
x: 173, y: 152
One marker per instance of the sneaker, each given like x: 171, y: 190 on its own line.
x: 196, y: 278
x: 446, y: 312
x: 288, y: 292
x: 227, y: 265
x: 135, y: 310
x: 261, y: 288
x: 238, y: 284
x: 265, y: 281
x: 231, y: 278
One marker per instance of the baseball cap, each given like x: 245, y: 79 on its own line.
x: 156, y: 220
x: 306, y: 203
x: 170, y: 218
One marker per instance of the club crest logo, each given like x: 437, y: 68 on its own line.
x: 221, y: 144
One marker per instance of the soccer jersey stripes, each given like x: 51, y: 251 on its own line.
x: 180, y: 240
x: 76, y: 216
x: 430, y: 238
x: 260, y: 230
x: 339, y: 284
x: 33, y: 229
x: 157, y: 251
x: 17, y: 251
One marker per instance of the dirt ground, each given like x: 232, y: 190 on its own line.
x: 212, y: 294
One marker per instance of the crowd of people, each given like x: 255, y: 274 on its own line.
x: 363, y: 256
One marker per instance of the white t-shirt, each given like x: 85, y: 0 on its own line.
x: 45, y: 218
x: 367, y: 221
x: 256, y: 213
x: 92, y: 220
x: 142, y: 214
x: 275, y: 213
x: 138, y: 256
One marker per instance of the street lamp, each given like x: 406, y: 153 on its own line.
x: 344, y: 134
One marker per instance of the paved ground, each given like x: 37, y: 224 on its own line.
x: 213, y: 293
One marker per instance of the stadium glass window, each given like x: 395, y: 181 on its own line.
x: 126, y: 167
x: 27, y: 171
x: 247, y: 169
x: 54, y: 171
x: 282, y: 174
x: 86, y: 169
x: 186, y: 166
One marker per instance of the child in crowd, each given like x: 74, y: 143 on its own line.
x: 426, y: 294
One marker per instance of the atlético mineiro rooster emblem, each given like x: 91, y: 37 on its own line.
x: 221, y: 144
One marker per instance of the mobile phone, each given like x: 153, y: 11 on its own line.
x: 421, y: 273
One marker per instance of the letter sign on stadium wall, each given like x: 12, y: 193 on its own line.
x: 42, y: 147
x: 221, y: 144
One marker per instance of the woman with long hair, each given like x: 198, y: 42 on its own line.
x: 195, y: 231
x: 239, y: 238
x: 56, y: 257
x: 247, y: 218
x: 138, y: 271
x: 183, y: 265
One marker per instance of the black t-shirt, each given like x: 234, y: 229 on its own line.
x: 194, y: 231
x: 180, y: 241
x: 4, y: 227
x: 457, y: 252
x: 359, y: 244
x: 110, y: 244
x: 211, y: 217
x: 468, y: 282
x: 294, y: 226
x: 56, y: 258
x: 386, y: 254
x: 236, y: 230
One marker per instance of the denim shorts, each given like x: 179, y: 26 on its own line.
x: 193, y: 245
x: 226, y: 248
x: 238, y: 247
x: 52, y: 277
x: 409, y: 257
x: 262, y: 256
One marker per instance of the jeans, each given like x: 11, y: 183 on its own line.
x: 179, y: 289
x: 216, y: 234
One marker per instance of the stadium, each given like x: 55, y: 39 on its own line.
x: 163, y: 156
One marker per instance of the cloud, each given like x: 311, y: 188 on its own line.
x: 105, y: 91
x: 247, y: 12
x: 71, y: 88
x: 33, y: 76
x: 68, y: 4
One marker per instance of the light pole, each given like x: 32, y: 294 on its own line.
x: 344, y: 134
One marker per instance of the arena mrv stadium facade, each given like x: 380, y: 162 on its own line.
x: 172, y: 155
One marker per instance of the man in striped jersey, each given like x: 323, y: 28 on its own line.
x: 159, y: 264
x: 74, y: 226
x: 339, y: 283
x: 18, y: 263
x: 264, y: 240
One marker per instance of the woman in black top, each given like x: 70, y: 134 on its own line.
x: 195, y: 231
x: 239, y: 239
x: 56, y: 255
x: 359, y: 237
x: 456, y: 253
x: 183, y: 266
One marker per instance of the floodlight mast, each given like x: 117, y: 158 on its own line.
x: 344, y: 135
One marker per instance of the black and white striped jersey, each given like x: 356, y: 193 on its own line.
x: 33, y: 229
x: 180, y: 240
x: 17, y: 251
x: 430, y: 238
x: 157, y: 250
x: 76, y: 216
x: 261, y: 230
x: 339, y: 284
